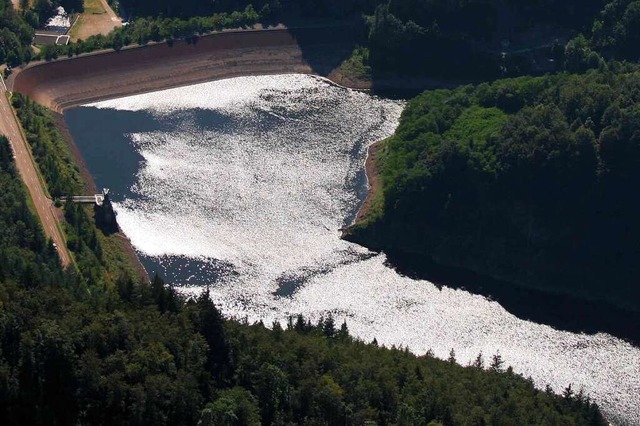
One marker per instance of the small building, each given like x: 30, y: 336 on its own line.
x: 55, y: 31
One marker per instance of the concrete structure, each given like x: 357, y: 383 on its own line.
x: 50, y: 38
x: 103, y: 210
x: 97, y: 199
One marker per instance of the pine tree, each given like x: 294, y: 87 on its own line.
x: 479, y: 362
x: 329, y: 327
x: 452, y: 357
x: 496, y: 362
x: 211, y: 326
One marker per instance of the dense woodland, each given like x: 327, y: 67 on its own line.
x: 469, y: 40
x: 530, y: 180
x: 106, y: 348
x: 15, y: 36
x: 518, y: 179
x: 437, y: 38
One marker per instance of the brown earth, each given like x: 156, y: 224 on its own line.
x: 97, y: 18
x: 373, y: 178
x: 69, y: 82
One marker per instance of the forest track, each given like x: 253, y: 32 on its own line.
x: 27, y: 168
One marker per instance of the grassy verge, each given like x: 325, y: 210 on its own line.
x: 356, y: 66
x: 92, y: 8
x: 115, y: 256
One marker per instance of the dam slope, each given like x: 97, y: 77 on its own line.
x: 106, y: 75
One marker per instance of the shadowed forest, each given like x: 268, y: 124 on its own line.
x: 97, y: 344
x: 528, y: 178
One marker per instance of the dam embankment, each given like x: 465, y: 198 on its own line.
x: 104, y: 75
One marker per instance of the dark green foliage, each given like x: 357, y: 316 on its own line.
x: 236, y: 406
x: 518, y: 171
x: 305, y: 377
x: 15, y: 36
x: 268, y: 8
x: 478, y: 39
x: 527, y: 180
x: 209, y: 324
x: 25, y: 255
x: 63, y: 179
x: 48, y: 147
x: 91, y: 349
x: 144, y: 30
x: 616, y: 31
x: 434, y: 38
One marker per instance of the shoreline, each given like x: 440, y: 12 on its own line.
x: 70, y: 82
x: 97, y: 76
x: 211, y: 61
x: 373, y: 182
x: 90, y: 187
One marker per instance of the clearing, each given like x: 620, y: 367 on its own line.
x: 97, y: 18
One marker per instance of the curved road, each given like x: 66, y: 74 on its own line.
x: 27, y: 168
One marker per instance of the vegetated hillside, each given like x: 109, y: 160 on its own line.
x: 616, y: 30
x: 275, y: 8
x: 99, y: 348
x: 17, y: 27
x: 528, y: 180
x: 437, y: 38
x: 474, y: 39
x: 469, y: 40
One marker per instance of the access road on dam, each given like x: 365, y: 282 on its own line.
x: 27, y: 168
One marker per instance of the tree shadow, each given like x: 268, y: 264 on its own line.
x: 559, y: 311
x: 325, y: 48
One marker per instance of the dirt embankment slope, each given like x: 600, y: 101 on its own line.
x: 69, y: 82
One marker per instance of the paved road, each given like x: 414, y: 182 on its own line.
x: 27, y: 168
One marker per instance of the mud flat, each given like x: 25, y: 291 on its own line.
x: 109, y: 74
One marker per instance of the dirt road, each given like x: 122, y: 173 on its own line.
x: 27, y: 168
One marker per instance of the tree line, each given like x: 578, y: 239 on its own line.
x: 529, y: 180
x: 432, y: 38
x: 15, y: 36
x: 97, y: 345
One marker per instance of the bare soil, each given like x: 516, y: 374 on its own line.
x: 97, y: 18
x: 69, y: 82
x: 373, y: 178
